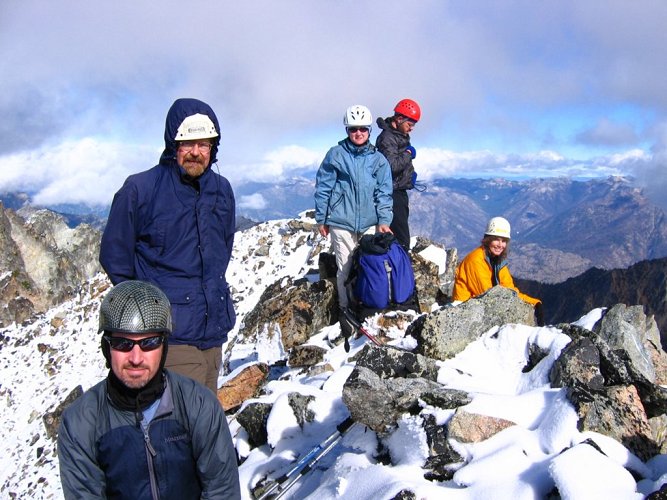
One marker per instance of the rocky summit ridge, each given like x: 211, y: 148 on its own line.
x: 281, y: 276
x: 42, y: 261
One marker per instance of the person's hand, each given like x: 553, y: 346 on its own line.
x: 412, y: 151
x: 384, y: 228
x: 324, y: 230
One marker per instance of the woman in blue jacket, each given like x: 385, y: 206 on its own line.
x: 353, y: 193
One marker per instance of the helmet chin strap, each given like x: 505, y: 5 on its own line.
x: 106, y: 351
x: 165, y: 348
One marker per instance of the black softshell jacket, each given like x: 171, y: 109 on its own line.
x: 393, y: 144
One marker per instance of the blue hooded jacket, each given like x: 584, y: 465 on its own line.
x: 177, y: 234
x: 353, y: 188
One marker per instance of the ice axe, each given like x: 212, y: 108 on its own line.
x: 349, y: 316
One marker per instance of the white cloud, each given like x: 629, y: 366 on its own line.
x: 433, y: 163
x: 84, y: 171
x: 521, y: 76
x: 627, y: 157
x: 650, y: 170
x: 606, y: 132
x: 91, y: 171
x: 276, y: 166
x: 252, y: 202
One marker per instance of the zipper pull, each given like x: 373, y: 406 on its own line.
x: 149, y: 446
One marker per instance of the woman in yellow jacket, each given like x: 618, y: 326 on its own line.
x: 486, y: 266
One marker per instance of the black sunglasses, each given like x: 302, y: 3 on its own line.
x: 124, y: 344
x: 357, y: 129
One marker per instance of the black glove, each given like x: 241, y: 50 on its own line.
x: 539, y: 314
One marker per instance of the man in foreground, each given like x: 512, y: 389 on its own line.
x: 144, y: 432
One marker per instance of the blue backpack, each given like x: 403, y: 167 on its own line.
x: 382, y: 273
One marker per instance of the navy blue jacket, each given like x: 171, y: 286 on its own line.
x: 177, y: 235
x: 186, y: 452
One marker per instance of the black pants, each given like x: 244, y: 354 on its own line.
x: 399, y: 224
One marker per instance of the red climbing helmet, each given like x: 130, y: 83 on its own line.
x: 409, y: 109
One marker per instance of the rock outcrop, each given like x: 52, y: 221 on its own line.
x: 447, y: 331
x: 610, y: 375
x: 607, y: 378
x: 641, y: 284
x: 42, y: 261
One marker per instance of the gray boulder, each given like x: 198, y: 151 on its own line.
x: 253, y: 418
x: 446, y: 332
x: 379, y: 403
x: 616, y: 412
x: 620, y: 366
x: 388, y: 382
x: 628, y: 329
x: 390, y: 362
x: 578, y: 366
x: 305, y: 355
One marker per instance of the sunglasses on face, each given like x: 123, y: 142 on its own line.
x: 351, y: 130
x: 123, y: 344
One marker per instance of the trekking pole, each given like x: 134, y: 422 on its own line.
x: 355, y: 323
x: 280, y: 486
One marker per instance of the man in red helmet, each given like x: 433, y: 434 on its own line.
x: 394, y: 143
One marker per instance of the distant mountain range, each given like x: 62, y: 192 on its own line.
x: 72, y: 213
x: 643, y: 283
x: 43, y: 261
x: 560, y: 227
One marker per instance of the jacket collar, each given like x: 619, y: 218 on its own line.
x: 357, y: 150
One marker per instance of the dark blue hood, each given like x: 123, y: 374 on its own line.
x: 179, y: 111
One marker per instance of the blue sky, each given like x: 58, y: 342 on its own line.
x: 507, y: 89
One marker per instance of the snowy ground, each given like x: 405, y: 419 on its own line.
x: 41, y: 363
x: 523, y: 461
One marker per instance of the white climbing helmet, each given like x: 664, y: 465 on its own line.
x: 358, y: 116
x: 195, y: 127
x: 498, y: 226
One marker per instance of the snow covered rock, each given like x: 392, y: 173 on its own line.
x: 447, y: 331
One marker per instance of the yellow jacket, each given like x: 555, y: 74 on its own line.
x: 474, y: 277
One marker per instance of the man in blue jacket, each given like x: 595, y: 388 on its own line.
x: 173, y: 226
x: 144, y: 432
x: 352, y: 195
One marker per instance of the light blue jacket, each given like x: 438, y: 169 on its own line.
x: 353, y: 188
